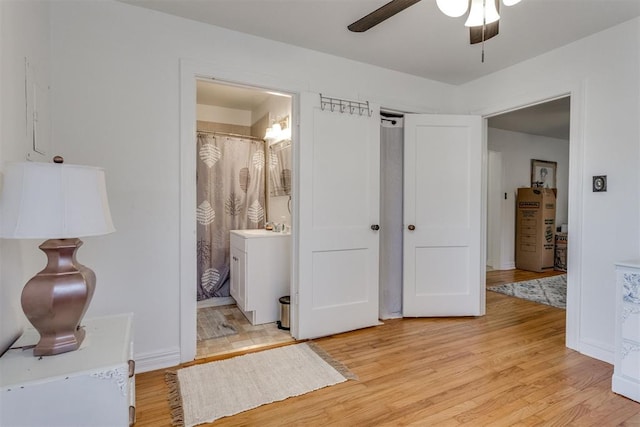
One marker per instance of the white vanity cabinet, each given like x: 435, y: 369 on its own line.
x: 238, y: 272
x: 260, y: 272
x: 626, y: 372
x: 92, y: 386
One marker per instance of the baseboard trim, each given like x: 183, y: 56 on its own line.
x: 216, y: 302
x: 598, y: 351
x: 625, y: 387
x: 386, y: 316
x: 146, y: 362
x: 507, y: 266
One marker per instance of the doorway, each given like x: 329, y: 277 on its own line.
x: 429, y: 210
x: 514, y: 140
x: 391, y: 213
x: 243, y: 187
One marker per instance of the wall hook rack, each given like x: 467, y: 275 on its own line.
x: 345, y: 106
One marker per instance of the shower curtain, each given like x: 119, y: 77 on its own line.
x: 230, y: 196
x: 391, y: 217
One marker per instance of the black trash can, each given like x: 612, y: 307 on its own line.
x: 285, y: 303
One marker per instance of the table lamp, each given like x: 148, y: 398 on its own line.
x: 60, y: 203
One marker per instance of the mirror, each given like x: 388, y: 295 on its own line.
x: 280, y: 168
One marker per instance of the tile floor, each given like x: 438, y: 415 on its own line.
x: 248, y: 336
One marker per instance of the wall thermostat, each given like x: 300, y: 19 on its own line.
x: 599, y: 183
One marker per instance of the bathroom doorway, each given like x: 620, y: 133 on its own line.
x: 243, y: 168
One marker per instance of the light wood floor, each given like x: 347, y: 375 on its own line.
x: 508, y: 368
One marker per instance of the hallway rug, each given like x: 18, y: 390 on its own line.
x: 212, y: 323
x: 549, y: 290
x: 206, y: 392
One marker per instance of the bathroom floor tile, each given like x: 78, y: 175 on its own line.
x: 248, y: 337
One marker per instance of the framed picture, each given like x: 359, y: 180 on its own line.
x: 543, y: 173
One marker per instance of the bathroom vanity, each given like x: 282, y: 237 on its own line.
x: 260, y: 272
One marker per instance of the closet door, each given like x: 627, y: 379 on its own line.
x: 337, y: 277
x: 443, y: 268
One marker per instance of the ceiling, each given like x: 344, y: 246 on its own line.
x: 228, y: 96
x: 550, y: 119
x: 527, y: 29
x: 420, y: 40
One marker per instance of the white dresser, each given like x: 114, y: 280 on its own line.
x: 260, y: 272
x: 92, y: 386
x: 626, y: 373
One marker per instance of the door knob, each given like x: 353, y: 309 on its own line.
x: 411, y: 227
x: 375, y: 227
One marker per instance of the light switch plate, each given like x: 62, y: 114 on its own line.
x: 599, y: 183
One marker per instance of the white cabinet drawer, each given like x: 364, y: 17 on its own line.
x: 91, y: 386
x: 630, y: 322
x: 630, y: 359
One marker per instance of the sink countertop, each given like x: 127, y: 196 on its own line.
x: 259, y: 232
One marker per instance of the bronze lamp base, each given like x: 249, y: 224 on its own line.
x: 56, y: 299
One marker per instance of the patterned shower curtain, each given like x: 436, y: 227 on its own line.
x: 231, y: 196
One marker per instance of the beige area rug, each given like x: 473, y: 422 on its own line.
x: 203, y: 393
x: 548, y: 290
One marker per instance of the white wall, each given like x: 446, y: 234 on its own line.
x: 24, y: 32
x: 497, y: 246
x: 278, y: 107
x: 604, y: 72
x: 517, y: 151
x: 115, y: 74
x: 116, y: 103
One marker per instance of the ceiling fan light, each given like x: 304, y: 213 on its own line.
x: 482, y: 12
x: 454, y: 8
x: 510, y: 2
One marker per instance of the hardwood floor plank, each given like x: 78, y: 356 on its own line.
x: 508, y: 368
x: 500, y: 277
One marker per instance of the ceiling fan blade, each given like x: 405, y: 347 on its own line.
x: 381, y: 14
x: 491, y: 30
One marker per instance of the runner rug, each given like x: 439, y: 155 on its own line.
x: 203, y: 393
x: 549, y: 290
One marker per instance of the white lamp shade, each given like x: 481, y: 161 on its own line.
x: 510, y: 2
x: 453, y: 8
x: 53, y: 201
x: 482, y: 12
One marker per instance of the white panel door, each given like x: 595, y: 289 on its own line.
x: 443, y: 271
x: 338, y: 203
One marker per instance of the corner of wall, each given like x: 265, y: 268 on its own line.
x: 162, y: 359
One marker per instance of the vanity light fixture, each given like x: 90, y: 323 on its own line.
x: 279, y: 130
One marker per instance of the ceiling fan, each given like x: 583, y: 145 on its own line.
x: 483, y: 20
